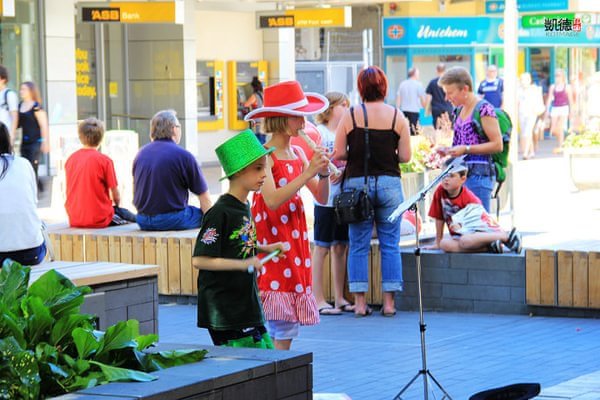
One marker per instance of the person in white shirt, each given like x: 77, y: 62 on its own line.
x: 21, y: 236
x: 411, y: 98
x: 9, y: 104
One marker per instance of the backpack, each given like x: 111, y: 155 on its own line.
x: 500, y: 159
x: 5, y: 103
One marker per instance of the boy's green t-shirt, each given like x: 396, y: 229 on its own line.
x: 228, y: 300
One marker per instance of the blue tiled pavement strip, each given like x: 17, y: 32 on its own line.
x: 373, y: 358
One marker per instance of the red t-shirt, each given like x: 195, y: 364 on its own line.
x: 90, y: 176
x: 444, y: 207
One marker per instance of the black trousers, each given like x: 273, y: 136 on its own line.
x: 413, y: 121
x: 33, y: 152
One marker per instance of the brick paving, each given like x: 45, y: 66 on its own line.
x: 373, y: 358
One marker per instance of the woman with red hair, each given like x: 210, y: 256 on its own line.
x: 388, y: 136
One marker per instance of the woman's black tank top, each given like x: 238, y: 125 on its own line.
x: 383, y: 144
x: 29, y: 124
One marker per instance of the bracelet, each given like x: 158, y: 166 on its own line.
x: 467, y: 149
x: 324, y: 176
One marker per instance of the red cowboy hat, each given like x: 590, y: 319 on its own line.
x: 288, y: 99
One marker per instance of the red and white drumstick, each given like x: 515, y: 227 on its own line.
x: 313, y: 146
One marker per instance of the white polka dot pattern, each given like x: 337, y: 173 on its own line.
x: 274, y: 285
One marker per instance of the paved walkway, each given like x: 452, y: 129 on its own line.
x: 373, y: 358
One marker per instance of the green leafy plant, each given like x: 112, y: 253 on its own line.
x: 584, y: 140
x: 48, y: 347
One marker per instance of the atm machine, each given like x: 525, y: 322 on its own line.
x: 209, y: 83
x: 239, y: 77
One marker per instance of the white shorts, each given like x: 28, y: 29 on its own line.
x: 560, y: 111
x: 282, y: 330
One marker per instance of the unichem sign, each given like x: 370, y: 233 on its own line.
x: 404, y: 32
x: 426, y: 32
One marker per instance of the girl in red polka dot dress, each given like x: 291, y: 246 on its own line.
x: 285, y: 282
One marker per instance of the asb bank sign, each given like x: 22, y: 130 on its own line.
x: 403, y: 32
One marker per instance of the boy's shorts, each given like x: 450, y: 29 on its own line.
x: 256, y: 338
x: 327, y: 231
x: 283, y: 330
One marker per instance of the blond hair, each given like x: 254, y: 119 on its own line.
x: 335, y: 98
x: 276, y: 124
x: 91, y: 132
x: 458, y: 76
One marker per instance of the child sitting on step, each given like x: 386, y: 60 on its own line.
x: 472, y: 229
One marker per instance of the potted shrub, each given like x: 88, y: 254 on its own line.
x: 582, y: 152
x: 48, y: 348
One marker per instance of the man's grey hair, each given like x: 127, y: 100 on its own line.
x: 162, y: 124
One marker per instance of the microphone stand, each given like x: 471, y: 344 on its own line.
x: 412, y: 204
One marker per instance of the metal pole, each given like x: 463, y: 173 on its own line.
x: 510, y: 87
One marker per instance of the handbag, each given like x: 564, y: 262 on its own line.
x: 354, y: 205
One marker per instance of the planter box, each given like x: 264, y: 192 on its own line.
x: 225, y: 374
x: 583, y: 167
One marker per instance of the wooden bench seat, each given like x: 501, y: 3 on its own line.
x: 562, y: 278
x: 170, y: 250
x: 120, y: 291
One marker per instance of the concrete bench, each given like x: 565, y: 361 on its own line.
x: 119, y: 291
x: 225, y: 374
x: 170, y: 250
x: 563, y: 279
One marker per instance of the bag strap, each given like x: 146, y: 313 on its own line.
x: 367, y: 149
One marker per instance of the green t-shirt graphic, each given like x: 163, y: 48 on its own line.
x: 228, y: 300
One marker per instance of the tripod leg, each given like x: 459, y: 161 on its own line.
x: 399, y: 395
x: 446, y: 395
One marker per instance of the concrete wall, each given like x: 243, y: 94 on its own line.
x: 60, y: 74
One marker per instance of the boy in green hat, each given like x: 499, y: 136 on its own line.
x: 226, y: 248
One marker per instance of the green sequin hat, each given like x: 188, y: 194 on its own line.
x: 240, y: 151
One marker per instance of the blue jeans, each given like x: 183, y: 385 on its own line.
x: 385, y: 193
x: 482, y: 186
x: 188, y: 218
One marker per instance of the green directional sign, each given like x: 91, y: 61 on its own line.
x: 537, y: 20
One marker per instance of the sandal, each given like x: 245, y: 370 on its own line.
x: 348, y: 307
x: 368, y: 311
x: 496, y: 247
x: 387, y: 314
x: 329, y: 310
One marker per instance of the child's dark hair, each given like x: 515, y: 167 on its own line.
x: 6, y: 150
x: 462, y: 173
x: 91, y: 132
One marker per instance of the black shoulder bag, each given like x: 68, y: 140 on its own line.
x: 354, y: 205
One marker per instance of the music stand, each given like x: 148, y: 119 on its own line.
x: 412, y: 204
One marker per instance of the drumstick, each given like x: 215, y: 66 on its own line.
x: 313, y: 146
x: 265, y: 260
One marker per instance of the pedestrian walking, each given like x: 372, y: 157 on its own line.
x: 33, y: 122
x: 492, y: 88
x: 411, y: 98
x: 437, y: 98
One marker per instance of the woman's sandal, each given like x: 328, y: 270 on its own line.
x: 368, y: 311
x: 329, y: 310
x: 348, y: 307
x: 387, y: 314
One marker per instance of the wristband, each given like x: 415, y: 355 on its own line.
x: 250, y: 269
x: 324, y: 176
x: 467, y: 149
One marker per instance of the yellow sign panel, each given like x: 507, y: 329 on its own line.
x: 321, y: 17
x: 133, y: 12
x: 307, y: 18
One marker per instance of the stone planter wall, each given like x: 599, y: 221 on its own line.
x: 583, y: 167
x: 225, y: 374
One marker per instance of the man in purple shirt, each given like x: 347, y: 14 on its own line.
x: 163, y: 176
